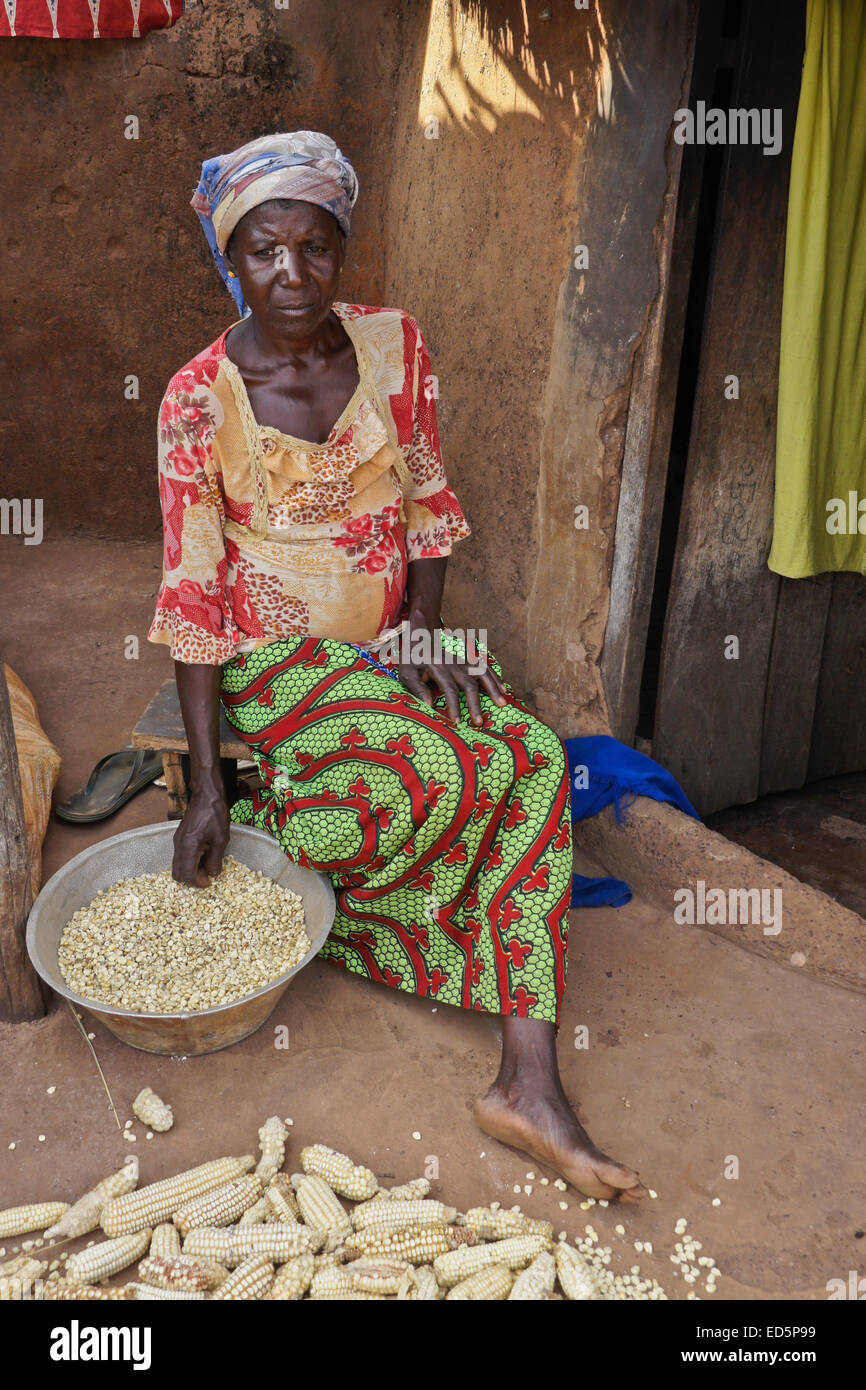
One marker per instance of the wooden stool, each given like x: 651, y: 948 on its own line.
x: 161, y: 727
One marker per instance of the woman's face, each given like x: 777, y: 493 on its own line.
x: 288, y: 256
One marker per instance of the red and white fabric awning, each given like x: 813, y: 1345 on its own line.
x: 86, y: 19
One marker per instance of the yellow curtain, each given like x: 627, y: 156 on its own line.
x: 820, y: 503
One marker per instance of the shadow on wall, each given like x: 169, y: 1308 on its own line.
x: 496, y: 104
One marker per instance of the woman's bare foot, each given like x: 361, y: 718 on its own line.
x: 546, y: 1129
x: 527, y: 1108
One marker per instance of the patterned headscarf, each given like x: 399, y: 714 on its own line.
x: 304, y: 165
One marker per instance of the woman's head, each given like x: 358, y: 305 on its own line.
x: 287, y: 256
x: 294, y: 191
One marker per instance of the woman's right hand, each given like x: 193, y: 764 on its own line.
x: 201, y: 838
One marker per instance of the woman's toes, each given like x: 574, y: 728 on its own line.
x: 623, y: 1181
x: 632, y: 1196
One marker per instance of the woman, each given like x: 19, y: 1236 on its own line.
x: 308, y: 520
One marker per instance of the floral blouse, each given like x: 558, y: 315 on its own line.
x: 269, y: 536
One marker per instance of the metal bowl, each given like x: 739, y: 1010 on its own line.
x: 147, y: 850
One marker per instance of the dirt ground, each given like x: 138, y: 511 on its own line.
x: 699, y: 1053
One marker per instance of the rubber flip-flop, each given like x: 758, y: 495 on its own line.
x: 114, y: 781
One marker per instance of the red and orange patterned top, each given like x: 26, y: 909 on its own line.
x: 270, y: 536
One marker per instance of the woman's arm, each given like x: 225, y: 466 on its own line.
x: 201, y: 838
x: 193, y: 609
x: 424, y: 584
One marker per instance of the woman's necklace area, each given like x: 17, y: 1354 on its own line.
x: 299, y: 441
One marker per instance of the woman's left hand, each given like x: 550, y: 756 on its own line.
x: 450, y: 677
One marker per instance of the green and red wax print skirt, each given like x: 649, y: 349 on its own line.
x: 449, y: 847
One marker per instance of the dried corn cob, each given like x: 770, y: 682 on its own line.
x: 24, y: 1281
x: 536, y: 1280
x: 150, y: 1205
x: 491, y: 1284
x: 293, y: 1279
x: 149, y: 1293
x: 220, y: 1207
x: 321, y: 1208
x: 152, y: 1111
x: 165, y: 1239
x: 346, y: 1178
x: 259, y: 1211
x: 575, y: 1277
x: 499, y: 1225
x: 252, y: 1279
x: 337, y: 1284
x: 16, y: 1221
x: 331, y: 1259
x: 68, y: 1289
x: 185, y: 1272
x: 282, y: 1200
x: 280, y: 1207
x: 215, y: 1243
x: 412, y: 1191
x: 388, y: 1215
x: 83, y: 1216
x: 272, y: 1141
x: 418, y: 1244
x: 462, y: 1235
x: 515, y: 1253
x: 228, y: 1245
x: 278, y: 1240
x: 107, y: 1257
x: 423, y: 1288
x: 22, y: 1267
x: 378, y: 1276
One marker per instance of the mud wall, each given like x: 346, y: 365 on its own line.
x: 491, y: 140
x: 110, y: 275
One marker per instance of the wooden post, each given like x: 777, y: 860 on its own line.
x: 20, y: 991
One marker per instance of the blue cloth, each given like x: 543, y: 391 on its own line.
x: 598, y: 892
x: 613, y: 773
